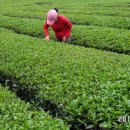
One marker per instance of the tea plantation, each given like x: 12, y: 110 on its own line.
x: 17, y: 115
x: 84, y: 85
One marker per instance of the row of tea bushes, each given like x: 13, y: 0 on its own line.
x: 18, y: 115
x: 91, y: 86
x: 116, y: 40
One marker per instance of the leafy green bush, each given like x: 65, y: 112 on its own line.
x: 92, y: 16
x: 17, y: 115
x: 117, y: 40
x: 104, y: 21
x: 102, y: 38
x: 91, y: 86
x: 82, y: 19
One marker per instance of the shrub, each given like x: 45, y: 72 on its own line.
x: 86, y: 83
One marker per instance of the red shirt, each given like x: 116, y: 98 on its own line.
x: 62, y: 27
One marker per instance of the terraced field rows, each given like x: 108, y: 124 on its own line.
x: 116, y: 40
x: 90, y: 19
x: 54, y: 70
x: 83, y: 85
x: 17, y: 115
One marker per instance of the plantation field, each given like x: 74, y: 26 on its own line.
x: 17, y: 115
x: 60, y: 86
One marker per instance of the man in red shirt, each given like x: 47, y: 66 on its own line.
x: 60, y: 25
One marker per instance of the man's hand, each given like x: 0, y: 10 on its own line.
x: 47, y: 38
x: 64, y: 39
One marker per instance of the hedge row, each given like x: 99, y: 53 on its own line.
x: 97, y: 12
x: 17, y: 115
x: 82, y: 19
x: 116, y: 40
x: 110, y: 39
x: 92, y: 8
x: 39, y: 12
x: 90, y: 86
x: 105, y: 21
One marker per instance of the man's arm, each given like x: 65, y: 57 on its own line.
x: 46, y: 32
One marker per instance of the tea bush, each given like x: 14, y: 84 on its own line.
x: 86, y: 83
x: 116, y: 40
x: 17, y: 115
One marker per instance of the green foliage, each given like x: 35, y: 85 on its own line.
x: 104, y: 21
x: 114, y: 15
x: 102, y: 38
x: 116, y: 40
x: 88, y: 84
x: 17, y: 115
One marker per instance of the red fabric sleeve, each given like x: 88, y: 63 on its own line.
x: 45, y: 28
x: 68, y: 27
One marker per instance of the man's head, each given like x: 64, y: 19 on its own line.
x: 56, y: 10
x: 51, y: 17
